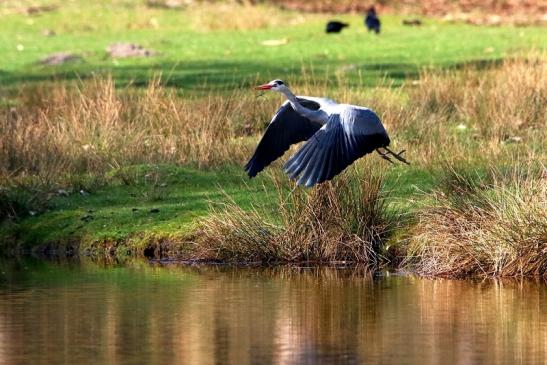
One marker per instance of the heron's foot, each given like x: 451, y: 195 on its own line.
x: 384, y: 155
x: 398, y: 156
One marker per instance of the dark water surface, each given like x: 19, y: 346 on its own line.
x: 85, y: 313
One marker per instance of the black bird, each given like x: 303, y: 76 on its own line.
x: 335, y: 26
x: 371, y: 20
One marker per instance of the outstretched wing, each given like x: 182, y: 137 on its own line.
x: 286, y: 128
x: 346, y: 137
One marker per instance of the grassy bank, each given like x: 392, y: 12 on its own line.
x: 128, y: 208
x: 91, y: 163
x: 123, y: 192
x: 348, y: 220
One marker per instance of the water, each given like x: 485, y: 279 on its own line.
x: 82, y: 313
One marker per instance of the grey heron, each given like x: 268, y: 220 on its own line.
x: 336, y: 135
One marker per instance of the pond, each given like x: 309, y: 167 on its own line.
x: 79, y: 312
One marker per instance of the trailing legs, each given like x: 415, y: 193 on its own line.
x: 385, y: 155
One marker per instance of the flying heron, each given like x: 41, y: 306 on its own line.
x: 336, y: 135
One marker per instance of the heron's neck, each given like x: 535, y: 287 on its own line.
x: 292, y: 98
x: 314, y: 115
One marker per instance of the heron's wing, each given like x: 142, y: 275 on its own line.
x: 346, y: 137
x: 286, y: 128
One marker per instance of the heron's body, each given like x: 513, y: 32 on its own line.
x: 336, y: 135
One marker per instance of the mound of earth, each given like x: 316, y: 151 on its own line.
x: 38, y: 9
x: 166, y: 4
x: 125, y: 50
x: 60, y: 58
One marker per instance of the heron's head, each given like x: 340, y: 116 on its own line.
x: 274, y: 85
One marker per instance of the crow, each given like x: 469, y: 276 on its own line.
x: 335, y: 26
x: 371, y: 20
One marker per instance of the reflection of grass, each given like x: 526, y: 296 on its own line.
x: 225, y: 57
x: 341, y: 313
x: 21, y: 273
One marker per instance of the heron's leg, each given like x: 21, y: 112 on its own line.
x: 397, y: 155
x: 384, y: 156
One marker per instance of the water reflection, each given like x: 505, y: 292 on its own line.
x: 85, y: 313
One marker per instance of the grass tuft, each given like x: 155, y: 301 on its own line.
x: 490, y: 225
x: 346, y: 220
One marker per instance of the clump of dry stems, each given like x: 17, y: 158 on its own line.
x: 92, y: 128
x: 484, y: 225
x: 346, y: 220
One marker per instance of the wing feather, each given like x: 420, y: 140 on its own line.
x: 302, y: 161
x: 346, y: 137
x: 286, y: 128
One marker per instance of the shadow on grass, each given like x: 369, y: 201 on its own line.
x: 221, y: 75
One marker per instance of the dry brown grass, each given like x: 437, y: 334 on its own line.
x: 470, y: 113
x: 493, y: 225
x: 490, y: 12
x: 92, y: 127
x: 474, y: 116
x: 232, y: 15
x: 346, y: 220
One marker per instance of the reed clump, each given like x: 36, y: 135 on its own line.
x: 475, y: 112
x: 483, y: 225
x: 346, y: 220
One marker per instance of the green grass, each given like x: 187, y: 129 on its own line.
x: 120, y: 212
x: 193, y: 58
x: 117, y: 211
